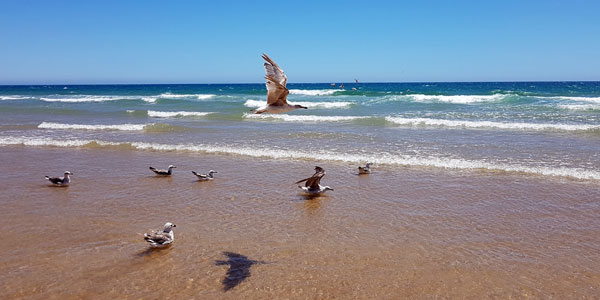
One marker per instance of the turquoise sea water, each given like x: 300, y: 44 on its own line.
x: 548, y: 129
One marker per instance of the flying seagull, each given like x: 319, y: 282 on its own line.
x: 61, y: 181
x: 163, y: 172
x: 205, y: 177
x: 365, y: 170
x: 312, y: 185
x: 276, y: 90
x: 161, y: 238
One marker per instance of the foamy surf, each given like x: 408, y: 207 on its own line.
x: 303, y: 118
x: 580, y: 107
x: 489, y: 124
x: 122, y: 127
x: 458, y: 99
x: 256, y: 103
x: 186, y: 96
x: 377, y: 158
x: 175, y: 114
x: 88, y: 98
x: 325, y: 92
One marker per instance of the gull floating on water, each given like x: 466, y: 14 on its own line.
x: 205, y: 177
x: 62, y: 181
x: 161, y: 238
x: 163, y: 172
x: 276, y: 90
x: 365, y: 170
x: 312, y: 185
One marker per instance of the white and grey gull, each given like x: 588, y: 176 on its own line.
x: 205, y: 177
x: 61, y: 181
x: 161, y: 238
x: 276, y: 90
x: 168, y: 172
x: 312, y: 185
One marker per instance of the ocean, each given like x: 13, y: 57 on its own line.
x: 533, y: 128
x: 477, y: 191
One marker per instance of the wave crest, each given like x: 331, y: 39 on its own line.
x: 256, y: 103
x: 489, y: 124
x: 314, y: 92
x: 174, y: 114
x: 377, y: 158
x: 304, y: 118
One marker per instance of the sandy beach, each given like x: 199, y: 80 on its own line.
x: 398, y: 233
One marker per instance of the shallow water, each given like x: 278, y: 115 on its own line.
x: 401, y: 232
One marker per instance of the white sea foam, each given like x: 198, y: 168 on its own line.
x: 14, y: 97
x: 303, y: 118
x: 580, y: 106
x: 186, y: 96
x: 123, y: 127
x: 88, y: 98
x: 581, y: 99
x: 173, y: 114
x: 314, y: 92
x: 377, y: 158
x: 489, y: 124
x: 459, y: 99
x: 256, y: 103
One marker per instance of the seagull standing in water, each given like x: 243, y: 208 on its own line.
x: 365, y: 170
x: 163, y: 172
x: 205, y: 177
x: 276, y: 90
x: 61, y: 181
x: 161, y: 238
x: 312, y: 185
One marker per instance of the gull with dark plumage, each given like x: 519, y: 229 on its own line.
x: 276, y: 90
x: 168, y: 172
x: 312, y: 185
x: 205, y: 177
x: 161, y: 238
x: 365, y: 170
x: 61, y: 181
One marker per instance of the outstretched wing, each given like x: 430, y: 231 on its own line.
x: 276, y: 82
x: 313, y: 181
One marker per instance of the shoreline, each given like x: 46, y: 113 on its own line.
x: 397, y: 233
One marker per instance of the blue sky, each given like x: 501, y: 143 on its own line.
x: 47, y: 42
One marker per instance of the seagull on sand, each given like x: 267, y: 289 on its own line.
x: 163, y: 172
x: 276, y: 90
x: 365, y: 170
x: 205, y: 177
x: 61, y: 181
x: 312, y: 185
x: 161, y: 238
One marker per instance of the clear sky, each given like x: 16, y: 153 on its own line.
x: 47, y: 42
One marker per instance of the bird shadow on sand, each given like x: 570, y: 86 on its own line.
x: 239, y: 269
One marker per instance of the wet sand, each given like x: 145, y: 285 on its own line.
x: 398, y: 233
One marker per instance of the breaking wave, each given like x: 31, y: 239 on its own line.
x: 314, y: 92
x: 489, y: 124
x: 123, y: 127
x: 304, y: 118
x: 186, y: 96
x: 174, y: 114
x: 256, y: 103
x: 89, y: 98
x: 377, y: 158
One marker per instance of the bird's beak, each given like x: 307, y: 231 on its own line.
x: 174, y: 225
x: 304, y: 107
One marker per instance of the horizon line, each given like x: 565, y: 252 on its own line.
x: 350, y: 82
